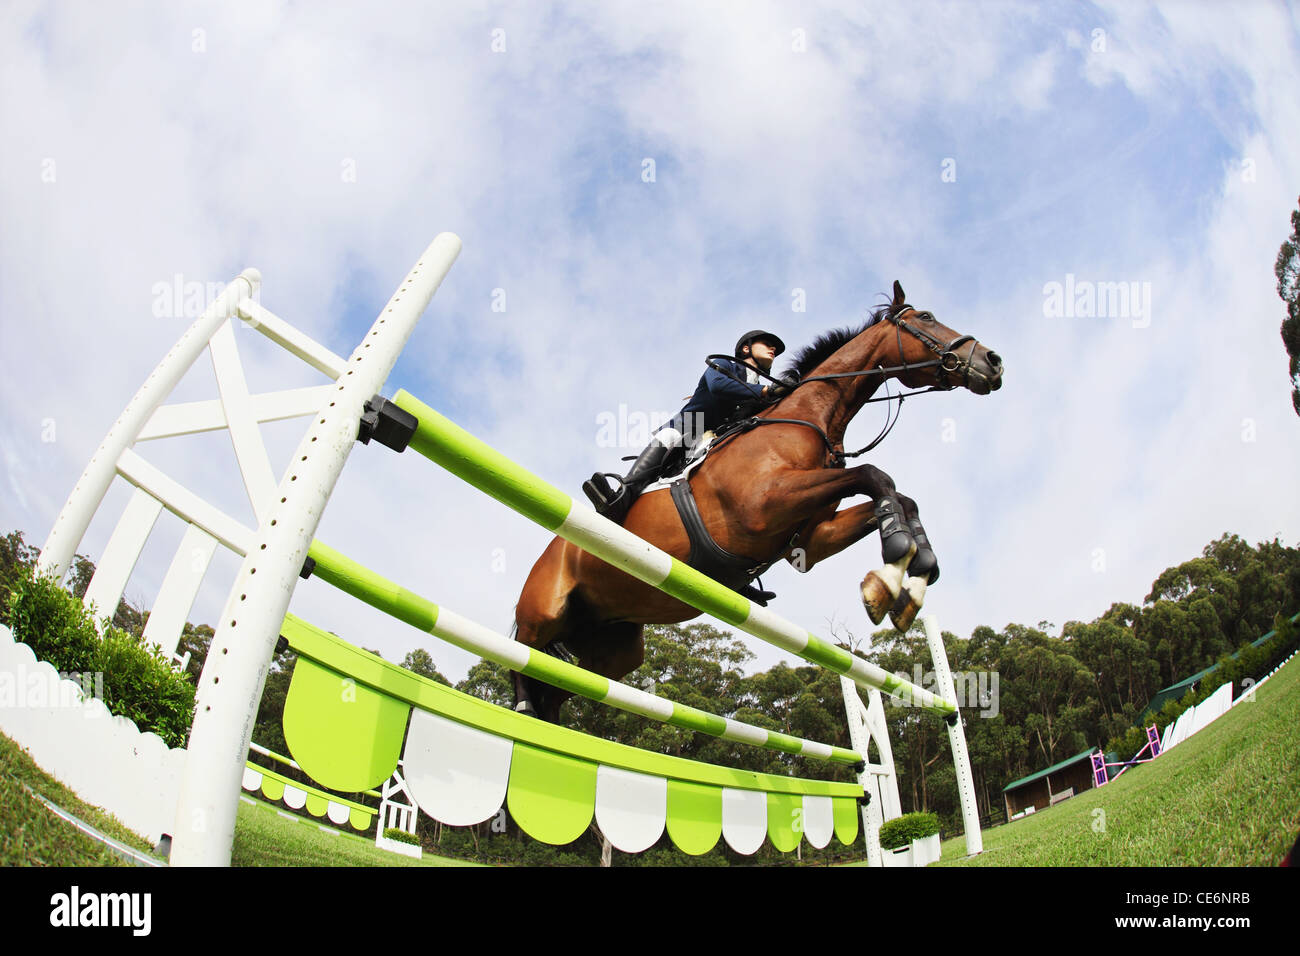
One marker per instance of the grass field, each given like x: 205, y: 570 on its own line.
x: 1228, y: 796
x: 266, y: 836
x: 32, y: 836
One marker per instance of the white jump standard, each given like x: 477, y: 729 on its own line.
x: 632, y: 792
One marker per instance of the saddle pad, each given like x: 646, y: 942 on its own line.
x: 694, y: 463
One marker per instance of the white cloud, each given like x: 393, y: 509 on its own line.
x: 775, y: 168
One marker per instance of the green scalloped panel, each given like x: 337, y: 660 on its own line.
x: 360, y: 819
x: 317, y: 805
x: 784, y: 810
x: 847, y: 817
x: 694, y: 816
x: 343, y: 734
x: 551, y: 796
x: 334, y: 652
x: 272, y: 788
x: 273, y: 784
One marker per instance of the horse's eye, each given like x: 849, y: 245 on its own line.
x: 926, y: 316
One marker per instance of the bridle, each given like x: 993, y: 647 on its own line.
x: 946, y: 360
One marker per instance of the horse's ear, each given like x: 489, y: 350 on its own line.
x: 899, y: 296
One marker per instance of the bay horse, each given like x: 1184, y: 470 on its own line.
x: 770, y: 493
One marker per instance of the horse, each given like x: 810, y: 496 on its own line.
x: 770, y: 492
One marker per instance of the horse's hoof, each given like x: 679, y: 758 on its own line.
x: 880, y: 589
x: 908, y: 605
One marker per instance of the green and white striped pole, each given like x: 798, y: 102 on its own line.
x: 352, y: 578
x: 449, y: 445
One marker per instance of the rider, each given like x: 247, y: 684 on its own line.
x: 723, y: 393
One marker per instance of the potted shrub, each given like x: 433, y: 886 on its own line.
x: 910, y: 840
x: 397, y: 840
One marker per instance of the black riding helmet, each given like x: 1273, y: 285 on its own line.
x: 750, y: 337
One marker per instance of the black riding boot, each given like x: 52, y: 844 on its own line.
x: 645, y: 470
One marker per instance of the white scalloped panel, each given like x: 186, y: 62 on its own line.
x: 456, y: 774
x: 104, y: 759
x: 818, y: 820
x: 631, y: 808
x: 252, y: 780
x: 338, y: 813
x: 294, y: 798
x: 744, y: 819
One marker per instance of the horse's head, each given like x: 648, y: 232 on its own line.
x: 930, y: 353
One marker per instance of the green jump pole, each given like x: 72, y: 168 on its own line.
x: 348, y: 576
x: 449, y: 445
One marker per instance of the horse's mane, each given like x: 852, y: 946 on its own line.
x: 827, y: 344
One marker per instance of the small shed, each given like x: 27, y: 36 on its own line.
x: 1046, y: 787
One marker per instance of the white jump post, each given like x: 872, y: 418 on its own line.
x: 230, y: 688
x: 956, y: 738
x: 879, y: 780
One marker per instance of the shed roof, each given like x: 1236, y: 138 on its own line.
x: 1052, y: 769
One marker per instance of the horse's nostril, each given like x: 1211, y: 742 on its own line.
x: 995, y: 359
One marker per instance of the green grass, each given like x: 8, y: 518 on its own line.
x: 30, y: 835
x: 1228, y: 796
x: 265, y: 838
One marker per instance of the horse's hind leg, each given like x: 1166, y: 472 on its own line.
x: 547, y: 612
x: 612, y: 650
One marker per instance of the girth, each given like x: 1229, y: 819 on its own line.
x: 730, y: 570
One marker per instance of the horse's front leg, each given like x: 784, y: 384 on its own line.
x: 921, y: 572
x: 797, y: 496
x: 883, y: 588
x: 844, y: 528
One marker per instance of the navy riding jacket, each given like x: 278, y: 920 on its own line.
x: 717, y: 399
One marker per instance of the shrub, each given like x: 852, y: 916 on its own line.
x: 401, y: 836
x: 901, y: 831
x: 55, y: 625
x: 139, y: 682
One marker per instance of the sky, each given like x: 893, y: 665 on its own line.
x: 635, y: 186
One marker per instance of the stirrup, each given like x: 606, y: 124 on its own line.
x: 758, y: 597
x: 599, y: 492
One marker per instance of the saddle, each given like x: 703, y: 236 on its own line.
x: 710, y: 441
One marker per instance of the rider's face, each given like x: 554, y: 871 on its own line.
x: 763, y: 353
